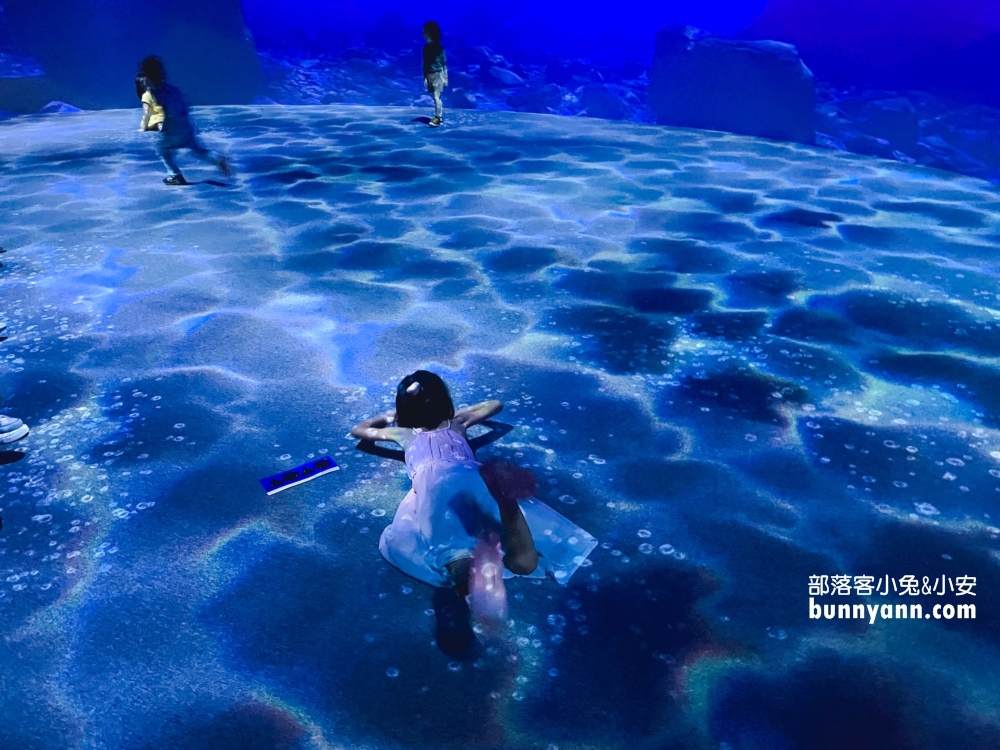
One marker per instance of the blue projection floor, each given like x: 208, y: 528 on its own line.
x: 737, y: 363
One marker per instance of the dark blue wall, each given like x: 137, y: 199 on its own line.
x: 542, y: 27
x: 950, y: 46
x: 90, y: 49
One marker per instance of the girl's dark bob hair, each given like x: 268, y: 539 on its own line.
x: 432, y: 31
x: 425, y: 406
x: 152, y: 74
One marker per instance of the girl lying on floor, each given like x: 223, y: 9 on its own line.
x: 463, y: 523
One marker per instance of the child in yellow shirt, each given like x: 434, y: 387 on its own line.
x: 176, y: 126
x: 152, y: 112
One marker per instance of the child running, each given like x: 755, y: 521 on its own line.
x: 461, y: 523
x: 178, y: 132
x: 435, y: 69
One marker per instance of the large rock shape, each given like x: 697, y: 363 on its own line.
x: 600, y: 101
x: 751, y: 88
x: 894, y: 120
x: 951, y: 47
x: 90, y: 51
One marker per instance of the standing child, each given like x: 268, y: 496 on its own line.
x: 178, y: 132
x: 461, y: 523
x: 435, y: 69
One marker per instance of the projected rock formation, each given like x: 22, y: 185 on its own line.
x: 89, y: 51
x: 751, y: 88
x: 946, y: 46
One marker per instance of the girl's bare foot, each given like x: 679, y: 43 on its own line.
x: 509, y: 483
x: 487, y: 593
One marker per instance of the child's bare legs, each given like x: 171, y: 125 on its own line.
x: 508, y: 483
x: 461, y: 571
x: 453, y: 630
x: 435, y: 87
x: 520, y: 556
x: 438, y: 105
x: 471, y: 575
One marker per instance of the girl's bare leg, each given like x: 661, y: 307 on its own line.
x: 507, y: 483
x: 453, y: 630
x: 460, y: 573
x: 520, y: 556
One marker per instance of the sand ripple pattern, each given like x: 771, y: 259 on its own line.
x: 738, y: 363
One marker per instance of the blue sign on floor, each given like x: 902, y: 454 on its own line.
x: 298, y: 475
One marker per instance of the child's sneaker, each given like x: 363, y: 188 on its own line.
x: 487, y: 593
x: 436, y: 122
x: 175, y: 179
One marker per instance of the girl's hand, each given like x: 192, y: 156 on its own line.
x: 478, y: 413
x: 383, y: 420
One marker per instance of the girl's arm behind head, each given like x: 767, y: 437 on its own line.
x: 479, y: 413
x: 378, y: 429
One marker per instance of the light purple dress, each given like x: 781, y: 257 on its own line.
x: 449, y: 504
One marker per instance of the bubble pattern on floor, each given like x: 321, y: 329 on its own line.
x: 738, y: 363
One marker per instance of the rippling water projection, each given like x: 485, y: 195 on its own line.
x: 739, y: 364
